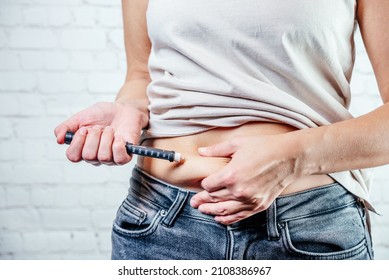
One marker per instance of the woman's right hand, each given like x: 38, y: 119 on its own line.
x: 101, y: 132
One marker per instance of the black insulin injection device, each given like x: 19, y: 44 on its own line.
x: 132, y: 149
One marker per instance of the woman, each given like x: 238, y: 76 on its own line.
x: 254, y: 94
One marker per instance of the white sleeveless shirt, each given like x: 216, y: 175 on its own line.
x: 223, y: 63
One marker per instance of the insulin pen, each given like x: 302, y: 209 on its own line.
x: 142, y: 151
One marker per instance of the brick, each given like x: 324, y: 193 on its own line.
x: 10, y: 16
x: 36, y: 173
x: 9, y: 60
x: 35, y: 16
x: 115, y: 194
x: 17, y: 196
x: 10, y: 151
x: 359, y: 46
x: 121, y: 174
x: 103, y: 2
x: 56, y: 61
x: 19, y: 219
x: 85, y: 39
x: 82, y: 61
x: 6, y: 127
x: 34, y: 241
x: 103, y: 218
x: 59, y: 241
x: 3, y: 39
x: 106, y: 61
x: 104, y: 242
x: 65, y: 218
x: 381, y: 253
x: 372, y: 87
x: 369, y: 104
x: 61, y: 82
x: 84, y: 241
x: 116, y: 38
x: 36, y: 128
x: 105, y: 82
x: 91, y: 196
x: 66, y: 197
x: 9, y: 105
x: 110, y: 17
x: 84, y: 17
x: 58, y: 107
x: 32, y: 38
x: 17, y: 81
x: 6, y: 173
x: 56, y: 2
x: 55, y: 152
x: 381, y: 172
x: 42, y: 196
x: 122, y: 61
x: 380, y: 237
x: 358, y: 84
x: 31, y: 105
x: 385, y: 191
x: 39, y: 150
x: 84, y: 173
x: 362, y: 64
x: 375, y: 194
x: 10, y: 242
x: 32, y: 60
x: 59, y: 17
x: 2, y: 198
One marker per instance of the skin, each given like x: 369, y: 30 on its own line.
x: 233, y: 193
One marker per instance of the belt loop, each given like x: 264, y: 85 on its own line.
x: 175, y: 208
x: 271, y: 220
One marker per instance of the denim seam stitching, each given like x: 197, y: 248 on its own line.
x: 357, y: 249
x: 141, y: 233
x: 309, y: 190
x: 318, y: 212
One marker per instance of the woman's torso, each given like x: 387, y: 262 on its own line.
x: 195, y: 168
x: 251, y: 67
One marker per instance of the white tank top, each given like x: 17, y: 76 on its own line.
x: 223, y: 63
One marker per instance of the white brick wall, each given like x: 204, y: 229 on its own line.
x: 57, y: 57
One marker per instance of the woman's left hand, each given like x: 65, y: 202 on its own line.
x: 261, y: 167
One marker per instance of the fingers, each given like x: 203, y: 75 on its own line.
x: 230, y: 219
x: 224, y: 208
x: 97, y: 145
x: 69, y: 125
x: 120, y: 155
x: 226, y: 211
x: 74, y: 152
x: 105, y: 154
x: 223, y: 149
x: 213, y: 197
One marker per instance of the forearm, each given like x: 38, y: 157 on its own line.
x: 133, y: 93
x: 348, y: 145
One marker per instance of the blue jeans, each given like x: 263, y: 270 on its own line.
x: 156, y: 221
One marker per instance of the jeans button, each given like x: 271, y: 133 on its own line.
x: 163, y: 213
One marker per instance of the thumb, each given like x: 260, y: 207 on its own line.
x: 128, y: 132
x: 223, y: 149
x: 72, y: 124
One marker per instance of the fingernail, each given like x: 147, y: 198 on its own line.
x: 202, y: 149
x: 193, y: 203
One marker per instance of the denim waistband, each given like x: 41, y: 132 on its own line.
x: 176, y: 200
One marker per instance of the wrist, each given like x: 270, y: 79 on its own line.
x: 305, y: 144
x: 313, y: 158
x: 139, y: 111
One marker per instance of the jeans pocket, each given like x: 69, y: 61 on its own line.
x: 136, y: 218
x: 339, y: 234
